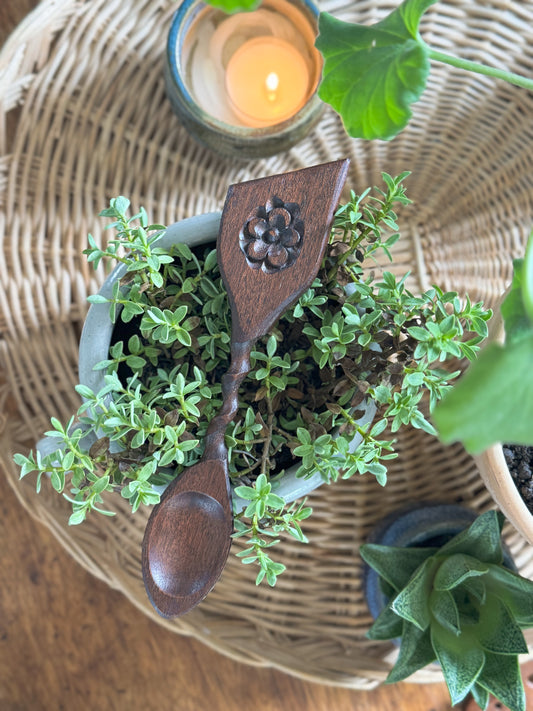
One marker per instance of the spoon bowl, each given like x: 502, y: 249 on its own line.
x: 204, y: 515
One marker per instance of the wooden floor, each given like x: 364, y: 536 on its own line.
x: 68, y: 642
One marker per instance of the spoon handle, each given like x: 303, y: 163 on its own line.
x: 215, y: 447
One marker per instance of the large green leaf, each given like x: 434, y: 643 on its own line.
x: 497, y: 630
x: 515, y: 316
x: 481, y: 540
x: 416, y: 652
x: 527, y: 279
x: 394, y: 564
x: 501, y: 676
x: 461, y: 659
x: 412, y: 603
x: 455, y: 569
x: 372, y: 74
x: 493, y: 401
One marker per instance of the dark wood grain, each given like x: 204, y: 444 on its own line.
x: 259, y: 295
x: 188, y: 535
x: 67, y: 641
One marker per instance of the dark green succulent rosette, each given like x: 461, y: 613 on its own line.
x: 458, y: 605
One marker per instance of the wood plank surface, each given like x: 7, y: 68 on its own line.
x: 68, y: 642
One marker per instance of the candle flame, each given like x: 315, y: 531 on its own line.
x: 272, y: 83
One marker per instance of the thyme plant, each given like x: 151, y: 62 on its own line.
x: 352, y: 336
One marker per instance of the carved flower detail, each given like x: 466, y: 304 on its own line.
x: 272, y: 235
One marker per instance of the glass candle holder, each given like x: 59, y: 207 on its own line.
x: 245, y: 84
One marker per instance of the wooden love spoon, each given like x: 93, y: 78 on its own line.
x: 273, y: 235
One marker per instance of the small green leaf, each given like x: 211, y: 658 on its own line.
x: 455, y: 569
x: 501, y: 677
x: 121, y: 204
x: 416, y: 652
x: 481, y: 540
x: 412, y: 603
x: 498, y: 631
x: 97, y: 299
x: 396, y: 565
x: 515, y: 591
x: 444, y: 609
x: 77, y: 517
x: 388, y: 625
x: 481, y: 696
x: 461, y: 659
x: 372, y: 74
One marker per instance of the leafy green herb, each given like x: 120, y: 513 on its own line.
x: 351, y: 337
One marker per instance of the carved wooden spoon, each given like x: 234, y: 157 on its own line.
x: 272, y: 238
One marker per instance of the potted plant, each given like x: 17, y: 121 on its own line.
x: 458, y: 601
x: 492, y: 404
x: 353, y: 337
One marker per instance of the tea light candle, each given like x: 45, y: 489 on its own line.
x: 244, y: 84
x: 267, y: 81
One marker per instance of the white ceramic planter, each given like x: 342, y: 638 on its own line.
x: 98, y: 328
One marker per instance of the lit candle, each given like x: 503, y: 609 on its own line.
x: 245, y: 84
x: 267, y: 81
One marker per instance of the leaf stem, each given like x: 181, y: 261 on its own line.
x: 510, y: 77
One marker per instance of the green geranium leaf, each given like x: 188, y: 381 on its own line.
x: 498, y: 631
x: 412, y: 603
x: 518, y: 323
x: 455, y: 569
x: 481, y: 540
x: 527, y: 280
x: 493, y: 401
x: 232, y: 6
x: 372, y: 74
x: 394, y: 564
x: 386, y: 626
x: 416, y: 652
x: 461, y: 659
x: 501, y: 676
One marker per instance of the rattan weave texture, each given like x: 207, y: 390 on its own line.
x: 83, y: 117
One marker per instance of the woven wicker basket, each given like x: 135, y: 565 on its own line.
x: 83, y: 117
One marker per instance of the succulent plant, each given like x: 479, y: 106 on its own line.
x: 457, y: 604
